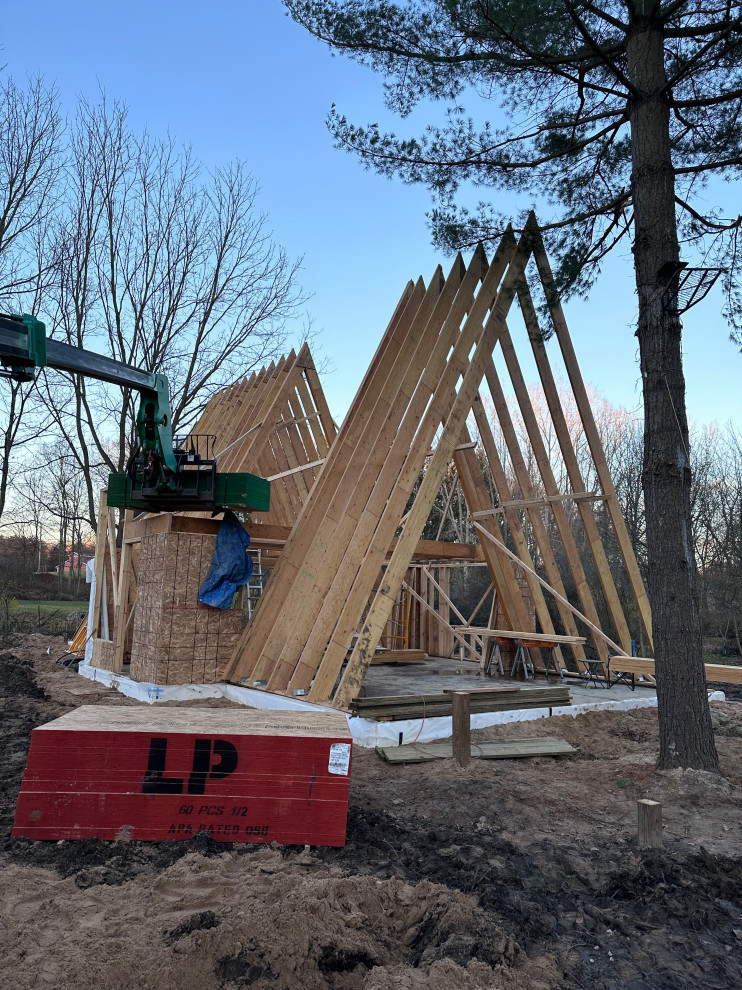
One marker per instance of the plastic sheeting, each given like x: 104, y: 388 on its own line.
x: 365, y: 732
x: 90, y: 579
x: 231, y: 565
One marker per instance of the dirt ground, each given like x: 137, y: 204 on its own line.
x: 518, y: 874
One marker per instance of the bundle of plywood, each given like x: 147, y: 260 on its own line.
x: 177, y: 640
x: 235, y: 775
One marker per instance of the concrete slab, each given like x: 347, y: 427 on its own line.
x: 438, y: 674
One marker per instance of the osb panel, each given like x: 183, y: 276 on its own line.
x: 177, y: 640
x: 103, y: 654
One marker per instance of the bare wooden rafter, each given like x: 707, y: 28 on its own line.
x: 344, y: 527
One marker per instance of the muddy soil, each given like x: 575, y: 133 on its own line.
x: 518, y: 874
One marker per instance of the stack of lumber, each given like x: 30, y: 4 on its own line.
x: 399, y: 707
x: 503, y: 749
x: 236, y: 775
x: 176, y: 640
x: 399, y: 656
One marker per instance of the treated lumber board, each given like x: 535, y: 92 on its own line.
x: 506, y: 749
x: 396, y: 713
x: 416, y: 709
x: 403, y: 700
x: 588, y: 421
x: 461, y: 727
x: 534, y: 698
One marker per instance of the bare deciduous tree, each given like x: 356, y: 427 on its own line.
x: 30, y: 162
x: 162, y: 267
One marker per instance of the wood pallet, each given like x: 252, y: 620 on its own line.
x: 156, y: 774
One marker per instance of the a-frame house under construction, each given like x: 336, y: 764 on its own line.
x: 349, y: 505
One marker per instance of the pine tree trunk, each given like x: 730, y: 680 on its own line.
x: 686, y: 734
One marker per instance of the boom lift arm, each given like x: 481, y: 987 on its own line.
x: 162, y: 475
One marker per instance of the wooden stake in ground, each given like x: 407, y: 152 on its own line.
x: 650, y: 824
x: 461, y: 719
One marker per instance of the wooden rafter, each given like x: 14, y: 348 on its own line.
x: 421, y: 386
x: 349, y: 504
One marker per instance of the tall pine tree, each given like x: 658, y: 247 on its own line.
x: 616, y: 113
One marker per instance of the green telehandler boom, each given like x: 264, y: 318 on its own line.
x: 164, y: 474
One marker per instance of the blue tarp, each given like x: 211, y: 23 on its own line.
x: 231, y: 565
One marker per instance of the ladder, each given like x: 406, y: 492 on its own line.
x: 255, y: 584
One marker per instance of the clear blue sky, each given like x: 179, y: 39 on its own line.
x: 237, y: 78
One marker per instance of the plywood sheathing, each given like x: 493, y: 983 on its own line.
x: 421, y: 386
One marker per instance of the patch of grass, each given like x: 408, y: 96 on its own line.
x: 47, y: 607
x: 20, y: 617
